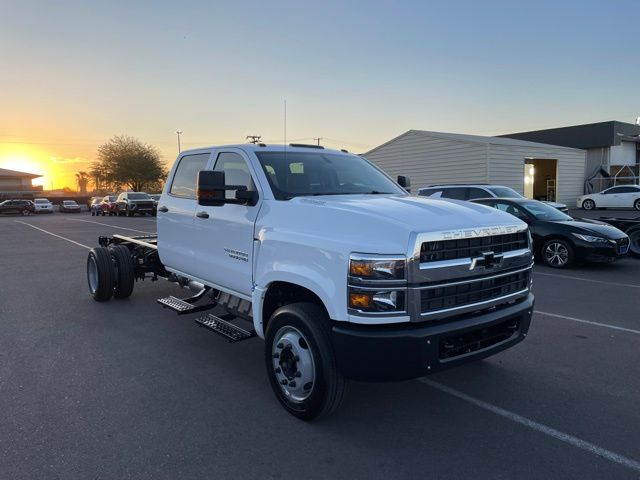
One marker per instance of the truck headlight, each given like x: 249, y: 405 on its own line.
x: 376, y: 301
x: 377, y: 267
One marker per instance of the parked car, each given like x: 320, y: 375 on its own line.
x: 630, y: 226
x: 130, y: 203
x: 622, y: 196
x: 94, y: 206
x: 43, y: 205
x: 109, y: 205
x: 70, y: 206
x: 156, y: 199
x: 91, y: 201
x: 560, y: 240
x: 24, y: 207
x: 471, y: 192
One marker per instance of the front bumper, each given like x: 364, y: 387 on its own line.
x: 598, y: 252
x: 411, y: 350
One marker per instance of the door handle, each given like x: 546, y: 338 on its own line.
x: 163, y: 209
x: 202, y: 215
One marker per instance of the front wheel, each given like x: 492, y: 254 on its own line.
x: 300, y: 361
x: 634, y: 241
x: 557, y: 253
x: 636, y: 204
x: 588, y: 204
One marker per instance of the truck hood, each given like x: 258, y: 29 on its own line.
x: 379, y: 223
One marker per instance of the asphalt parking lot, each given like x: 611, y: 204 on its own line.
x: 126, y: 389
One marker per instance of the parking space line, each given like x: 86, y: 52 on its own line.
x: 110, y: 225
x: 539, y: 427
x: 571, y: 277
x: 53, y: 234
x: 589, y: 322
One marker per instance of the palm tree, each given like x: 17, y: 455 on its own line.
x: 82, y: 179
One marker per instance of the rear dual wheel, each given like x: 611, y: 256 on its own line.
x: 110, y: 272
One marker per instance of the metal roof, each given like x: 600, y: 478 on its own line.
x: 14, y: 173
x: 478, y: 139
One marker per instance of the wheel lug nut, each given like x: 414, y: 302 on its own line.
x: 292, y: 383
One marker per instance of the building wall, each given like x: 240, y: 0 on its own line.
x: 506, y: 167
x: 428, y: 160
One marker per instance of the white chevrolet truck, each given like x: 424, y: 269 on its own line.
x: 335, y: 266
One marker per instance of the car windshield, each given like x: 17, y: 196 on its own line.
x: 69, y: 202
x: 542, y: 211
x: 41, y: 200
x: 293, y: 174
x: 111, y: 198
x: 504, y: 192
x: 137, y: 196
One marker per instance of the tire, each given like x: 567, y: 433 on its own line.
x: 634, y: 241
x: 129, y: 213
x: 124, y: 275
x: 100, y: 274
x: 301, y: 332
x: 589, y: 204
x: 557, y: 253
x: 636, y: 204
x: 25, y: 212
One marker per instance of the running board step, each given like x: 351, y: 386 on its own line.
x: 182, y: 307
x: 228, y: 330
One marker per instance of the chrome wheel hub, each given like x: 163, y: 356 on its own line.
x: 556, y: 254
x: 293, y: 364
x: 92, y: 274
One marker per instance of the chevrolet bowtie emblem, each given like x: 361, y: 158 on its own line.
x: 487, y: 260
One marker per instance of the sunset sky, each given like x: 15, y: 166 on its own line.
x: 355, y: 73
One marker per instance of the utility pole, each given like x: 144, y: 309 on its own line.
x: 318, y: 139
x: 254, y: 138
x: 178, y: 133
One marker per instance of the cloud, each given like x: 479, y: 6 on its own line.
x: 69, y: 160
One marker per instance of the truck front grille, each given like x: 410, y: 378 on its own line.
x: 437, y: 298
x: 434, y: 251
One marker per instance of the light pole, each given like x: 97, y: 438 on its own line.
x: 178, y: 133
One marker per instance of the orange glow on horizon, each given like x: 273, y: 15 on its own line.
x: 57, y: 171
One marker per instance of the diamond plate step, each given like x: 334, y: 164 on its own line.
x: 182, y: 307
x: 228, y: 330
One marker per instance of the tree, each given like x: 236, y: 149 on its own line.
x: 125, y: 160
x: 82, y: 179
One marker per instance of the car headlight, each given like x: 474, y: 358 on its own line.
x: 377, y: 267
x: 589, y: 238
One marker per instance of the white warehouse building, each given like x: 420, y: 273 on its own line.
x: 536, y: 170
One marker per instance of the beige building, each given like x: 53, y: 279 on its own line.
x: 543, y: 172
x: 15, y: 184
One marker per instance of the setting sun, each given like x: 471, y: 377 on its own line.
x: 57, y: 172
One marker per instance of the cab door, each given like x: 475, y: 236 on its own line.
x: 224, y: 237
x: 175, y: 217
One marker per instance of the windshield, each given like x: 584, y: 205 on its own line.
x: 318, y: 173
x: 69, y: 202
x: 137, y: 196
x: 504, y: 192
x: 542, y: 211
x: 41, y: 200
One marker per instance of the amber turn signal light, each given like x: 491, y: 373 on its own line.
x: 359, y: 300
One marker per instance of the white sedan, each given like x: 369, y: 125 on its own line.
x: 622, y: 196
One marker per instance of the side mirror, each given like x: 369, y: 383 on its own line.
x: 247, y: 197
x: 211, y: 188
x: 404, y: 182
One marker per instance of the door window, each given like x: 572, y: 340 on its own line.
x: 474, y: 192
x: 186, y: 176
x: 511, y: 209
x: 236, y: 172
x: 455, y: 193
x: 432, y: 193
